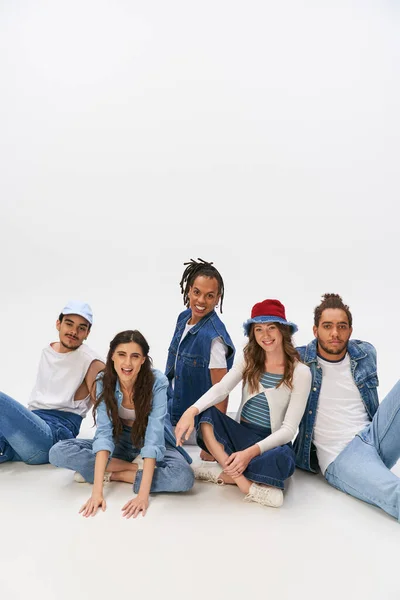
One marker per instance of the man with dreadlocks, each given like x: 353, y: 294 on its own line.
x: 201, y: 351
x: 345, y: 432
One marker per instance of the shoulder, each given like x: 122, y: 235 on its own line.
x: 301, y: 372
x: 301, y: 350
x: 300, y: 368
x: 309, y: 351
x: 88, y: 353
x: 160, y: 380
x: 184, y: 315
x: 357, y: 346
x: 217, y: 324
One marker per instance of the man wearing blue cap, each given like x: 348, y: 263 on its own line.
x: 61, y: 396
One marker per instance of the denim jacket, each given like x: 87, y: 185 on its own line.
x: 363, y: 368
x: 158, y: 431
x: 192, y: 374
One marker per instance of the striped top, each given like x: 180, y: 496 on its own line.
x: 256, y: 410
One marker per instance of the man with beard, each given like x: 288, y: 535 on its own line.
x: 353, y: 439
x: 61, y: 396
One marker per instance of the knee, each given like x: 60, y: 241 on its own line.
x: 285, y: 462
x: 184, y: 479
x: 58, y: 454
x: 3, y: 399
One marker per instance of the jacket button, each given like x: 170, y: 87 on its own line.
x: 307, y: 435
x: 310, y: 412
x: 314, y: 389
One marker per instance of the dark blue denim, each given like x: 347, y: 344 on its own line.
x: 363, y: 368
x: 192, y: 374
x: 270, y: 468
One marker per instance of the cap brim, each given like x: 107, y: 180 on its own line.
x: 267, y: 319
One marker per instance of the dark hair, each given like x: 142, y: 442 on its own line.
x: 255, y: 359
x: 142, y: 390
x: 195, y: 269
x: 331, y: 301
x: 61, y: 316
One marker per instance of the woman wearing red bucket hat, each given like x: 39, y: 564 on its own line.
x: 255, y: 451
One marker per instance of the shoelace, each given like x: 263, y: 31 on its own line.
x: 259, y: 495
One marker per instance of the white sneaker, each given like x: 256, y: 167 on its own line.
x: 139, y: 462
x: 268, y: 496
x: 209, y: 472
x: 80, y: 479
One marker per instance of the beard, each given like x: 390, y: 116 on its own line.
x: 333, y: 351
x: 70, y: 346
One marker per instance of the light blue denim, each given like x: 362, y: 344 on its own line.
x: 154, y: 443
x: 173, y: 473
x: 362, y: 469
x: 27, y: 435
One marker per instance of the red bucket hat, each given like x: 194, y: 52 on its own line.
x: 268, y: 311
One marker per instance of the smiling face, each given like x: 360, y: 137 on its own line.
x: 203, y: 297
x: 128, y: 359
x: 268, y: 336
x: 333, y: 333
x: 73, y: 331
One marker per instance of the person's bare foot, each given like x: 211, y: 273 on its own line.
x: 227, y: 479
x: 125, y: 476
x: 205, y: 456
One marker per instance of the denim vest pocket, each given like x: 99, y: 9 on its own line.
x: 194, y: 361
x: 372, y: 382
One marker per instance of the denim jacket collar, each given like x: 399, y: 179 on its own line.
x: 354, y: 350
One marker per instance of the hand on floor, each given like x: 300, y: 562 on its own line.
x: 135, y: 506
x: 90, y: 508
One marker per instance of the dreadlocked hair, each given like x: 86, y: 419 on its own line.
x: 331, y: 301
x: 196, y: 269
x: 255, y: 359
x: 142, y: 390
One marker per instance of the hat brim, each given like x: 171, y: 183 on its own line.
x: 268, y: 319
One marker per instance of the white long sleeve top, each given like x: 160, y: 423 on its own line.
x: 286, y: 405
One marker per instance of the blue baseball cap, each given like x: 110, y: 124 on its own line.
x: 75, y: 307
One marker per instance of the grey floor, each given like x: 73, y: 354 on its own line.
x: 207, y: 543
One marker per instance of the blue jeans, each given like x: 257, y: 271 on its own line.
x: 23, y: 435
x: 27, y: 435
x: 173, y: 473
x: 362, y: 469
x: 269, y: 468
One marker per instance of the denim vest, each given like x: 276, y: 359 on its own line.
x: 363, y: 369
x: 192, y: 374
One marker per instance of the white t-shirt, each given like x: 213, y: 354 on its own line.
x: 340, y: 414
x: 218, y: 352
x: 60, y: 375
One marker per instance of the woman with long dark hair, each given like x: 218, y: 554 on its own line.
x: 255, y: 451
x: 201, y: 351
x: 131, y: 416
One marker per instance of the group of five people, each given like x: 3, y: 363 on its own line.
x: 323, y: 396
